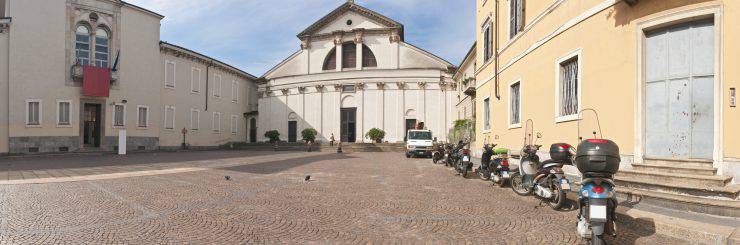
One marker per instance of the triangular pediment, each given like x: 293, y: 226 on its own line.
x: 361, y: 18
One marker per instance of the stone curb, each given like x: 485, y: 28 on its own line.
x: 689, y: 230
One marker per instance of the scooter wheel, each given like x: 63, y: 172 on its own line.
x: 517, y: 185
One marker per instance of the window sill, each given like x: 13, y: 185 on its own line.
x: 515, y: 126
x: 568, y: 118
x: 169, y: 87
x: 33, y: 126
x: 119, y: 126
x: 194, y: 92
x: 64, y: 125
x: 486, y: 131
x: 142, y: 128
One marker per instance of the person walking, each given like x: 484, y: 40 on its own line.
x: 331, y: 140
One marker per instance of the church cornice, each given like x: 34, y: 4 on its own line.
x: 347, y: 7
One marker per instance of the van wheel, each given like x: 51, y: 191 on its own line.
x: 408, y: 155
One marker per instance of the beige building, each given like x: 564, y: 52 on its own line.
x: 153, y: 89
x: 465, y: 98
x: 354, y: 72
x: 660, y: 74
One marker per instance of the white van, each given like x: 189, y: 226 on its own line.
x: 419, y: 143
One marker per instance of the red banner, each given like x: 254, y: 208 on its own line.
x: 95, y: 81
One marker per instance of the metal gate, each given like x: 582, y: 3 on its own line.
x: 679, y: 91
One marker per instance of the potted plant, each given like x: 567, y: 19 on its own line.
x: 376, y: 135
x: 309, y: 135
x: 273, y: 135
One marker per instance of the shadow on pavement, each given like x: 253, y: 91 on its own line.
x: 28, y: 163
x: 282, y: 165
x: 639, y: 227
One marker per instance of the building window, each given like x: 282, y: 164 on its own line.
x: 102, y: 43
x: 349, y: 55
x: 234, y: 124
x: 143, y: 116
x: 568, y: 87
x: 169, y: 117
x: 82, y: 45
x: 234, y: 92
x: 368, y: 57
x: 194, y: 119
x: 169, y: 74
x: 216, y: 124
x: 33, y: 112
x: 348, y: 88
x: 217, y: 86
x: 195, y: 80
x: 487, y: 41
x: 487, y: 114
x: 119, y: 115
x: 63, y: 107
x: 516, y: 17
x: 330, y: 62
x: 515, y: 106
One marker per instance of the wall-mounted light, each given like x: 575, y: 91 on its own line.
x: 733, y: 97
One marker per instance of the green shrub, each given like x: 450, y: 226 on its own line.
x: 376, y: 135
x: 309, y: 134
x: 273, y: 135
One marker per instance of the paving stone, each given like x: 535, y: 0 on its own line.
x: 353, y: 198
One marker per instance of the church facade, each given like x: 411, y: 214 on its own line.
x: 355, y: 72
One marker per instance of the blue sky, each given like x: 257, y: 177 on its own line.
x: 255, y: 35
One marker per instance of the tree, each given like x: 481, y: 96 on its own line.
x: 273, y: 135
x: 376, y: 135
x: 309, y: 135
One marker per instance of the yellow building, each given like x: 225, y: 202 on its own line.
x: 661, y: 75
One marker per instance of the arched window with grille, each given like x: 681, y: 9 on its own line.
x: 349, y: 55
x: 82, y: 45
x: 330, y: 62
x: 102, y: 44
x: 368, y: 58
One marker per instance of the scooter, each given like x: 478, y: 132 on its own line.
x: 485, y: 169
x: 449, y: 155
x: 500, y: 165
x: 438, y: 153
x: 546, y: 179
x: 462, y: 159
x: 598, y: 160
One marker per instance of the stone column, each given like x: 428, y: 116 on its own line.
x: 358, y: 48
x: 338, y: 45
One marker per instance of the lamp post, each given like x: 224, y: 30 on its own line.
x: 184, y: 134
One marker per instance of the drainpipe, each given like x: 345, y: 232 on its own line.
x: 208, y: 81
x: 495, y: 58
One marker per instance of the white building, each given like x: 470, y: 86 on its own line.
x: 354, y: 72
x: 154, y: 89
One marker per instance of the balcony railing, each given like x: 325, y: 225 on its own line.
x: 468, y: 87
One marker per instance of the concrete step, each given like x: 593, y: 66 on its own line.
x: 680, y: 163
x: 714, y: 206
x: 676, y: 186
x: 698, y: 170
x: 692, y: 179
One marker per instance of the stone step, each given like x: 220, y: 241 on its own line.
x: 690, y: 179
x: 677, y: 186
x: 680, y: 163
x: 703, y: 170
x: 713, y: 206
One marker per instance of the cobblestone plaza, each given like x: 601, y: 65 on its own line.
x: 352, y: 198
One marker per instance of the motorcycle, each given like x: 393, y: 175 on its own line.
x: 449, y: 155
x: 438, y: 153
x: 598, y: 160
x: 484, y: 170
x: 546, y: 179
x: 463, y: 163
x: 501, y: 174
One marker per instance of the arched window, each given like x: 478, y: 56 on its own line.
x: 82, y: 45
x: 349, y: 55
x: 368, y: 58
x: 330, y: 62
x: 102, y: 42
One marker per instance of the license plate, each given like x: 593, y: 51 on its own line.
x: 597, y: 212
x: 466, y: 158
x: 505, y: 174
x: 447, y: 155
x: 565, y: 184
